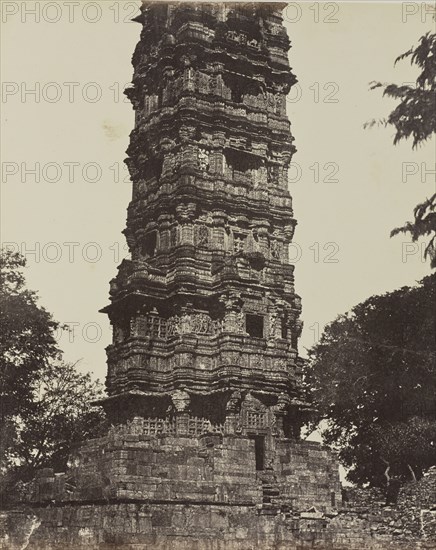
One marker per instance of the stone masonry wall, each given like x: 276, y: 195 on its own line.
x: 205, y: 494
x: 206, y: 469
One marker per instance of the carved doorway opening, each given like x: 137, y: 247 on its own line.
x: 259, y: 451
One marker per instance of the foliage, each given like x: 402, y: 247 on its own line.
x: 27, y: 345
x: 423, y: 225
x: 62, y: 415
x: 413, y: 443
x: 45, y: 403
x: 415, y: 117
x: 373, y: 379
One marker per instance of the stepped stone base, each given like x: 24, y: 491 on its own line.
x: 131, y: 491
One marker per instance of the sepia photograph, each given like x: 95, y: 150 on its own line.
x: 218, y: 286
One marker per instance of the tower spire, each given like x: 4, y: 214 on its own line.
x: 206, y: 305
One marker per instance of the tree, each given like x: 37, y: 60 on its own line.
x: 46, y: 404
x: 373, y: 380
x: 63, y: 414
x: 412, y: 443
x: 424, y: 225
x: 27, y: 345
x: 415, y: 117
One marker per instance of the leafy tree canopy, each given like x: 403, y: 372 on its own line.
x: 373, y: 379
x: 46, y: 404
x: 62, y: 415
x: 415, y: 115
x: 27, y: 337
x: 415, y: 118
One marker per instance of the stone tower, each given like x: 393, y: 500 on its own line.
x: 205, y: 317
x: 204, y: 387
x: 204, y: 390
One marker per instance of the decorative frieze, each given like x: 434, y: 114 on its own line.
x: 155, y: 327
x: 198, y: 323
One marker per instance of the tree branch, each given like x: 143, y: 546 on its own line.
x: 412, y: 472
x: 386, y: 472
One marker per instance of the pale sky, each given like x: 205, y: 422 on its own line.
x: 76, y: 126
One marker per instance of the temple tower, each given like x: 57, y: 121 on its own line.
x: 205, y: 399
x: 205, y: 317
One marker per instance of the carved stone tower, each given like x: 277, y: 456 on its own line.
x: 205, y: 399
x: 204, y: 387
x: 205, y: 317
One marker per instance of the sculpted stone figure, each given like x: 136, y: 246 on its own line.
x: 180, y: 400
